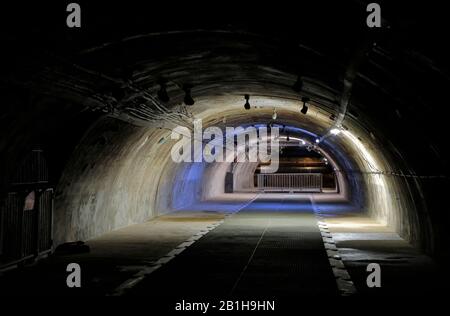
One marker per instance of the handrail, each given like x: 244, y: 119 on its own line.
x: 303, y: 182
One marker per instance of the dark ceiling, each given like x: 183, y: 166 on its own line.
x: 115, y: 60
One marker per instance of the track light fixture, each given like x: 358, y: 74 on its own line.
x: 247, y: 104
x: 287, y: 137
x: 162, y: 92
x: 274, y: 114
x: 304, y: 109
x: 188, y: 100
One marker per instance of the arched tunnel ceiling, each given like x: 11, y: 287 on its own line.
x: 112, y: 66
x: 220, y: 54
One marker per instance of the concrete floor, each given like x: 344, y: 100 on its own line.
x: 267, y: 250
x: 113, y: 258
x: 362, y: 240
x: 233, y: 247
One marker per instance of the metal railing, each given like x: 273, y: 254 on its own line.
x: 25, y: 233
x: 26, y: 213
x: 290, y: 182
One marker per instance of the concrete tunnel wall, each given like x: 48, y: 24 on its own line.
x: 106, y: 186
x: 127, y: 176
x: 122, y: 176
x: 367, y: 165
x: 117, y: 178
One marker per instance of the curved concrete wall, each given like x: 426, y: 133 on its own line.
x: 119, y: 176
x: 122, y: 174
x: 111, y: 181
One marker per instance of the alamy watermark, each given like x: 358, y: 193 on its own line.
x: 74, y: 277
x: 233, y: 144
x: 73, y: 19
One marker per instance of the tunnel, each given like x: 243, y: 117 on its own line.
x: 127, y: 142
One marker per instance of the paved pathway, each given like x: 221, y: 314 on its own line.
x: 267, y: 251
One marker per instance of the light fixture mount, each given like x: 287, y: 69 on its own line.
x: 188, y: 100
x: 247, y: 103
x: 304, y: 109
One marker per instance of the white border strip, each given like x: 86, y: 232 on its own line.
x: 139, y: 276
x: 343, y: 280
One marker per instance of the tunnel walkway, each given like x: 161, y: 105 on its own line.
x: 268, y: 250
x: 271, y: 249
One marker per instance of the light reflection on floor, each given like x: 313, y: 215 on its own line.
x: 359, y: 238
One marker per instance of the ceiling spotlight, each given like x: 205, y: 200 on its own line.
x: 304, y: 109
x: 287, y: 137
x: 303, y: 142
x: 274, y: 115
x: 162, y: 92
x: 317, y: 140
x: 247, y: 104
x: 298, y: 85
x: 188, y: 100
x: 335, y: 131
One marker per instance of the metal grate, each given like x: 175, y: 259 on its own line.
x: 10, y: 230
x: 45, y: 221
x: 25, y: 233
x: 303, y: 182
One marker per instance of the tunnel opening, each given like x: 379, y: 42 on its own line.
x: 122, y: 174
x: 301, y: 169
x: 105, y: 114
x: 353, y: 164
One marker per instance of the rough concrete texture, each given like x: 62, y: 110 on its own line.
x: 122, y: 174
